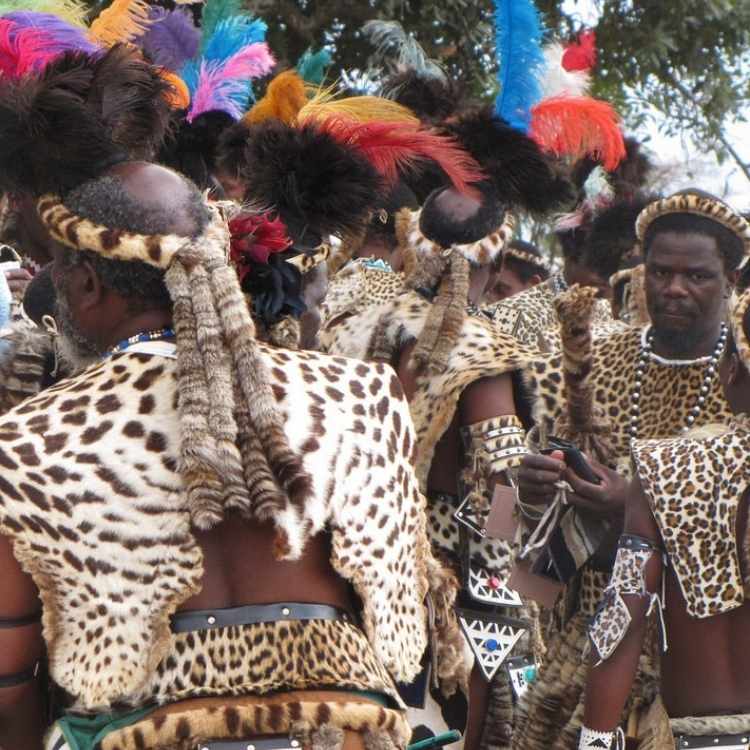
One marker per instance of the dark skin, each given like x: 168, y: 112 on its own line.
x: 233, y: 552
x: 687, y: 286
x: 506, y: 283
x: 707, y: 667
x: 578, y: 273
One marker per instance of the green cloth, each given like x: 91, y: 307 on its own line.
x: 86, y: 732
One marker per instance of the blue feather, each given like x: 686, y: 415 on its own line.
x: 172, y: 39
x: 312, y: 66
x: 230, y: 35
x: 518, y: 34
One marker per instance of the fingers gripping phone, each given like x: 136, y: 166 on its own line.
x: 573, y: 458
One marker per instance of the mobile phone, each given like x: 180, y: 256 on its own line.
x: 573, y: 458
x: 439, y: 740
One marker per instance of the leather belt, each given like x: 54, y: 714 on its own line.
x: 722, y: 741
x: 270, y: 743
x: 252, y: 614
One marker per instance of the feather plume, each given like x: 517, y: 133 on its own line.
x: 70, y: 11
x: 227, y: 87
x: 61, y: 34
x: 122, y: 21
x: 578, y: 127
x: 312, y: 66
x: 399, y: 147
x: 284, y: 98
x: 360, y: 109
x: 393, y: 42
x: 518, y: 48
x: 231, y: 35
x: 556, y: 80
x: 23, y: 50
x: 582, y: 55
x: 172, y: 39
x: 179, y: 96
x: 215, y: 11
x: 520, y: 173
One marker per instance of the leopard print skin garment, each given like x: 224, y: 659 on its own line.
x: 91, y: 496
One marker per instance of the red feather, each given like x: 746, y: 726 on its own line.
x: 393, y: 147
x: 23, y: 50
x: 254, y: 239
x: 577, y: 127
x: 581, y: 55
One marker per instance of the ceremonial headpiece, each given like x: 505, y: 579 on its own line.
x: 697, y: 203
x: 513, y: 251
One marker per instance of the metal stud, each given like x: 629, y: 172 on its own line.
x: 211, y: 620
x: 285, y: 611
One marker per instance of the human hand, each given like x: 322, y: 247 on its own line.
x: 18, y: 279
x: 537, y: 476
x: 604, y: 499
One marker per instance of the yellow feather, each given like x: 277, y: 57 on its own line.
x: 72, y: 11
x: 358, y: 108
x: 120, y: 22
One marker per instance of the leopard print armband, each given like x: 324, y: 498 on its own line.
x: 612, y: 619
x: 498, y: 443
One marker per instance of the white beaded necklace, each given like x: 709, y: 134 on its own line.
x: 647, y: 355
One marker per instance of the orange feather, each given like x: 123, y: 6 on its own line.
x: 285, y: 96
x: 179, y: 96
x: 122, y: 21
x: 392, y: 147
x: 577, y: 127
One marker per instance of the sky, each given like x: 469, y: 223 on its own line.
x: 690, y: 166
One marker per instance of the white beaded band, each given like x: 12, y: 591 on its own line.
x: 590, y: 739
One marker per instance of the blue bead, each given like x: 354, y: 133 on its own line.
x: 529, y: 674
x: 491, y: 644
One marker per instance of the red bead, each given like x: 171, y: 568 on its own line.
x: 494, y: 583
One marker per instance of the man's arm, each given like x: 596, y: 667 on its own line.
x: 22, y: 719
x: 609, y: 684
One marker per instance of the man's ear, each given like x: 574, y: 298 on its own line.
x: 88, y: 287
x: 733, y: 277
x: 535, y: 279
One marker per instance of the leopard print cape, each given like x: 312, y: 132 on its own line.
x: 354, y: 298
x: 91, y: 496
x: 530, y: 316
x: 480, y: 353
x: 694, y: 487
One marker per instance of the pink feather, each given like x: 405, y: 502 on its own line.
x: 23, y: 50
x: 253, y: 61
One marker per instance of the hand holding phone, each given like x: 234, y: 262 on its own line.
x: 574, y: 459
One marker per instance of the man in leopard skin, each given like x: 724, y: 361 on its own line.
x: 167, y: 548
x: 650, y: 383
x: 687, y: 516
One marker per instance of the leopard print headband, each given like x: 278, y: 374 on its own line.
x: 479, y: 253
x: 305, y: 262
x: 738, y: 330
x: 524, y: 257
x: 79, y: 233
x: 699, y: 205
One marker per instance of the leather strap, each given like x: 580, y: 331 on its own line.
x: 270, y: 743
x: 252, y: 614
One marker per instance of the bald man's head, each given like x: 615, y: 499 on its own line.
x: 142, y: 198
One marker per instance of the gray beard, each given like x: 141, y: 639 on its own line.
x: 72, y: 346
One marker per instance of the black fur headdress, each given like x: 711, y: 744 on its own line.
x: 521, y: 175
x: 82, y: 114
x: 317, y: 185
x: 432, y: 99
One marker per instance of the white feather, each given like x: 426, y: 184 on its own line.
x: 556, y: 81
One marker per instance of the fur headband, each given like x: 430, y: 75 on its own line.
x: 306, y: 262
x: 699, y: 205
x: 741, y: 340
x: 479, y: 253
x: 524, y: 257
x: 82, y: 234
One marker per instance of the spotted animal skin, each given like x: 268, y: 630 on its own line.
x: 694, y: 487
x: 91, y: 496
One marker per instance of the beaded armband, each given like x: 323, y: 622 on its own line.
x: 498, y: 442
x: 612, y: 619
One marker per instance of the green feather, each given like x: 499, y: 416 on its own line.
x: 216, y: 10
x: 312, y: 66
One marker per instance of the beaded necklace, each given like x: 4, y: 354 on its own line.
x: 647, y: 355
x: 162, y: 334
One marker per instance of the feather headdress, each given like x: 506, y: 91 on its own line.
x: 172, y: 39
x: 557, y: 81
x: 312, y: 66
x: 285, y: 96
x: 82, y: 114
x: 518, y: 48
x: 73, y: 12
x: 358, y: 109
x: 122, y: 21
x: 581, y: 55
